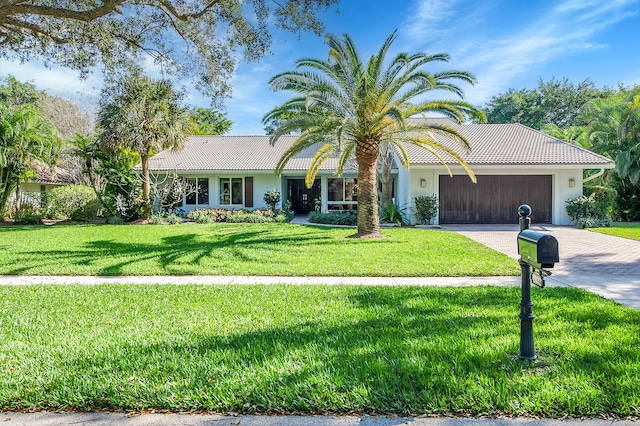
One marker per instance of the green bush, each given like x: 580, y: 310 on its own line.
x: 73, y: 202
x: 337, y: 217
x: 425, y: 208
x: 594, y: 210
x: 272, y: 198
x: 237, y: 216
x: 394, y: 214
x: 28, y: 214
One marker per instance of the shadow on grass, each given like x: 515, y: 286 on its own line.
x: 232, y: 244
x: 406, y: 351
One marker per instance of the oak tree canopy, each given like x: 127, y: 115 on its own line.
x: 198, y: 39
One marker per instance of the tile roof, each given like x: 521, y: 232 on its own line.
x: 509, y: 144
x: 492, y: 144
x: 229, y: 153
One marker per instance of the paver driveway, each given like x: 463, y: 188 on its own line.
x: 603, y: 264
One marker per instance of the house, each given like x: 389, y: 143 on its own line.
x: 514, y: 164
x: 44, y: 178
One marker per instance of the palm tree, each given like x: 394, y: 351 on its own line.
x: 25, y: 136
x: 614, y: 130
x: 350, y: 108
x: 144, y: 116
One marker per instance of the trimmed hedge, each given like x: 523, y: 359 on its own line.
x: 337, y: 217
x: 237, y: 216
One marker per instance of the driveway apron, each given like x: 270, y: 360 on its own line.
x: 603, y: 264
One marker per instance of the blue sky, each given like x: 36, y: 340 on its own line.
x: 506, y: 44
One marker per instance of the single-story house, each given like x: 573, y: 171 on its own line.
x: 514, y: 164
x: 44, y: 179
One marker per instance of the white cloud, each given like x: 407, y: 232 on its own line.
x: 564, y: 30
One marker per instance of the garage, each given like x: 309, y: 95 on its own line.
x: 494, y: 198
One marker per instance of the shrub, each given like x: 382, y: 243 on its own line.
x: 28, y: 214
x: 73, y: 202
x: 592, y: 211
x: 237, y: 216
x: 272, y: 198
x: 425, y: 208
x: 174, y: 219
x: 394, y: 214
x: 337, y: 217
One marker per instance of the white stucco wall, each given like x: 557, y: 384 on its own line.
x: 262, y: 182
x: 561, y: 191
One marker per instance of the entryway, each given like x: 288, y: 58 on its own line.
x: 302, y: 198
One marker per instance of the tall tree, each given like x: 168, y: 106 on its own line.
x: 145, y: 116
x: 614, y: 130
x: 195, y: 38
x: 207, y: 121
x: 555, y: 102
x: 350, y: 107
x: 24, y: 136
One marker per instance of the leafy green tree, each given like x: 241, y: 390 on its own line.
x: 145, y: 116
x: 350, y: 107
x: 556, y: 102
x: 194, y: 38
x: 208, y: 121
x: 25, y: 136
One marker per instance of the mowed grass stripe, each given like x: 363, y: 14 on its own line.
x: 242, y: 249
x: 315, y: 349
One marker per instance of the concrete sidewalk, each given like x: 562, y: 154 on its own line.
x: 109, y: 419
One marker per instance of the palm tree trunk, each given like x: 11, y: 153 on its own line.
x: 368, y: 219
x: 146, y: 187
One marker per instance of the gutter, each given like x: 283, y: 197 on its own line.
x: 600, y: 173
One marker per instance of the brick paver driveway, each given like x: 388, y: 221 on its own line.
x: 603, y: 264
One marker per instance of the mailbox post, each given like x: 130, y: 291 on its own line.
x: 537, y: 251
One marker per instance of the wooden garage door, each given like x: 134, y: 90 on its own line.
x: 494, y: 199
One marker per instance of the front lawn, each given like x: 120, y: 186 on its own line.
x: 315, y: 349
x: 630, y: 230
x: 242, y: 249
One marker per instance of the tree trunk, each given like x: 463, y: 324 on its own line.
x: 146, y: 187
x: 385, y: 176
x: 367, y: 153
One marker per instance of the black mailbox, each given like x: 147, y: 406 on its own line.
x: 538, y: 249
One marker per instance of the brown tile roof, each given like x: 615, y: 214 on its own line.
x: 492, y: 144
x: 50, y: 175
x: 510, y: 144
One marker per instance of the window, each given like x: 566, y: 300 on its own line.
x: 231, y: 191
x: 200, y: 195
x: 342, y: 193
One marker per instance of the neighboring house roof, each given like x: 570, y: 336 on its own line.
x: 492, y: 144
x: 49, y: 175
x: 509, y: 144
x: 231, y: 153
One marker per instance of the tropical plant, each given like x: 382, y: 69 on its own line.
x: 350, y: 107
x: 24, y: 136
x: 145, y: 116
x: 394, y: 214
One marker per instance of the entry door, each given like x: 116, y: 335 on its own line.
x: 302, y: 198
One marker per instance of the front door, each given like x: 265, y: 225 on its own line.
x: 302, y: 198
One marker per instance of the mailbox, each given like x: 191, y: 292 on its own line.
x: 538, y: 249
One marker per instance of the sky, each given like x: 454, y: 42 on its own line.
x: 506, y: 44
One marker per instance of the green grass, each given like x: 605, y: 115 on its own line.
x: 630, y: 230
x: 315, y: 349
x: 242, y: 249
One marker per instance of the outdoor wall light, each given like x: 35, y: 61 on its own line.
x: 572, y: 183
x: 423, y: 183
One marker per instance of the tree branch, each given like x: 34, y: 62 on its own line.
x: 108, y: 6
